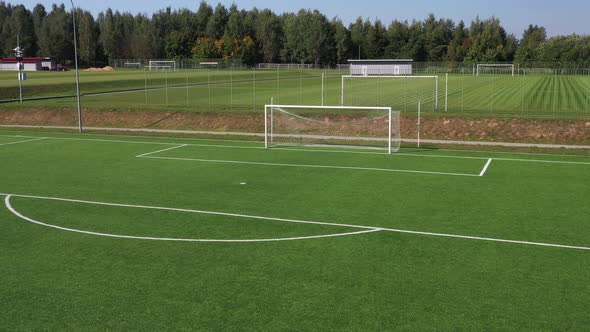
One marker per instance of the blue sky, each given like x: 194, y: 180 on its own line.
x: 559, y: 17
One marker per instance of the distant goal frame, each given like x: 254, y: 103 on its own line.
x: 388, y: 110
x: 435, y: 77
x: 494, y: 65
x: 162, y: 64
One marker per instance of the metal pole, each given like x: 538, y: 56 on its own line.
x: 254, y: 74
x: 446, y: 92
x: 209, y: 89
x: 265, y: 129
x: 19, y: 56
x: 389, y: 136
x: 77, y: 70
x: 323, y: 89
x: 418, y: 124
x: 436, y: 95
x: 187, y: 87
x: 145, y: 85
x: 166, y: 78
x: 342, y: 92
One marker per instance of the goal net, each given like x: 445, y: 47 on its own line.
x: 352, y: 126
x: 401, y: 92
x: 161, y: 65
x: 495, y: 69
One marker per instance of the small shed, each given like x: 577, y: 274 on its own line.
x: 381, y: 67
x: 28, y: 64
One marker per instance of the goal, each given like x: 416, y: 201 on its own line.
x: 349, y: 126
x: 160, y: 65
x: 397, y: 91
x: 495, y: 69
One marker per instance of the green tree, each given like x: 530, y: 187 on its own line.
x: 459, y: 45
x: 343, y: 44
x: 234, y: 26
x: 87, y: 36
x: 177, y: 45
x: 269, y: 34
x: 20, y: 22
x: 488, y: 41
x: 56, y: 39
x: 357, y: 37
x: 216, y: 26
x: 249, y: 51
x: 397, y: 40
x: 202, y: 17
x: 532, y: 38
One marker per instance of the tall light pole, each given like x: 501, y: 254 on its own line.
x: 18, y: 52
x: 77, y: 71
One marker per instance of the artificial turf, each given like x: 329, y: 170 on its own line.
x: 56, y: 279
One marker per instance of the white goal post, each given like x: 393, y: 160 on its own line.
x: 155, y: 65
x: 351, y: 126
x: 494, y: 65
x: 435, y: 78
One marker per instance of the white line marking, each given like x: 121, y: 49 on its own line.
x: 311, y: 166
x: 320, y: 150
x: 29, y: 140
x: 545, y: 161
x: 367, y: 229
x: 163, y: 150
x: 20, y: 215
x: 467, y: 237
x: 485, y: 168
x: 258, y: 142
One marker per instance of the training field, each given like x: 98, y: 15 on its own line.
x: 119, y: 233
x: 249, y: 90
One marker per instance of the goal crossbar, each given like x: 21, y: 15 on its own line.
x: 164, y: 64
x: 494, y: 65
x: 391, y: 76
x: 268, y: 121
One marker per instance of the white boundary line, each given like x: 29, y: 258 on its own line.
x: 485, y: 168
x: 20, y: 215
x: 367, y: 229
x: 331, y: 151
x: 311, y: 166
x: 29, y: 140
x: 163, y: 150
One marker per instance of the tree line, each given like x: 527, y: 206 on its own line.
x: 254, y: 36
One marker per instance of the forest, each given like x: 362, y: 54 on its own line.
x: 260, y: 35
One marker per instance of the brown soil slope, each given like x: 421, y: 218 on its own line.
x: 452, y: 128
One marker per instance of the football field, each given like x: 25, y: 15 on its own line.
x: 120, y: 232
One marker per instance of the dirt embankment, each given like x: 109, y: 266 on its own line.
x: 451, y: 128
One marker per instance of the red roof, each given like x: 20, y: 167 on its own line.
x: 25, y: 60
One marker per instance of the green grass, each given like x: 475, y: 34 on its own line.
x: 54, y: 279
x: 248, y: 90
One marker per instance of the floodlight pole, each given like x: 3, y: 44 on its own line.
x: 77, y: 71
x: 19, y: 58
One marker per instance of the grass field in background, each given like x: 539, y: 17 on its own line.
x: 337, y: 253
x: 249, y: 90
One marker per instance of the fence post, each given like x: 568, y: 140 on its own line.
x: 323, y: 89
x: 145, y: 86
x: 446, y: 92
x: 187, y: 87
x: 166, y: 78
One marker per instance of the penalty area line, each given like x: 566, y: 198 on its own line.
x: 485, y: 168
x: 25, y: 141
x: 310, y: 166
x: 163, y: 150
x: 364, y: 229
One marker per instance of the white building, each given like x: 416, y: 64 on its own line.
x: 28, y: 64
